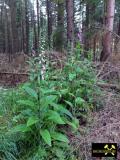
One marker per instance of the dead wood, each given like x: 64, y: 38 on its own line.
x: 13, y: 73
x: 107, y: 85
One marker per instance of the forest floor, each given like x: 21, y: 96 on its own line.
x: 103, y: 125
x: 14, y: 72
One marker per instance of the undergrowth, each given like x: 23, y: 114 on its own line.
x: 37, y: 115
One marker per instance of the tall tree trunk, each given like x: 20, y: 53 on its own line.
x: 35, y: 36
x: 49, y: 16
x: 38, y: 25
x: 87, y: 23
x: 11, y: 42
x: 27, y: 27
x: 12, y: 4
x: 119, y: 27
x: 6, y: 31
x: 2, y: 42
x: 107, y: 39
x: 59, y: 35
x: 70, y: 21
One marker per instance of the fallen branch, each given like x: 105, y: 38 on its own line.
x: 13, y: 73
x: 102, y: 68
x: 105, y: 29
x: 107, y: 85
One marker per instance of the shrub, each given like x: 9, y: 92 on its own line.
x: 39, y: 115
x: 43, y: 111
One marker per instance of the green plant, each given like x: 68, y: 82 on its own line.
x: 78, y: 84
x: 78, y: 51
x: 39, y: 115
x: 8, y: 148
x: 43, y: 111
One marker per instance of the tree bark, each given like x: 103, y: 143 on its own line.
x: 6, y: 32
x: 12, y: 4
x: 70, y: 22
x: 107, y: 38
x: 119, y: 27
x: 26, y: 27
x: 87, y: 23
x: 38, y: 25
x: 59, y: 35
x: 49, y: 16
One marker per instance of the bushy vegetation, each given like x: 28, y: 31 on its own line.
x: 37, y: 115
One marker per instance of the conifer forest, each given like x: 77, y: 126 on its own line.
x: 59, y: 79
